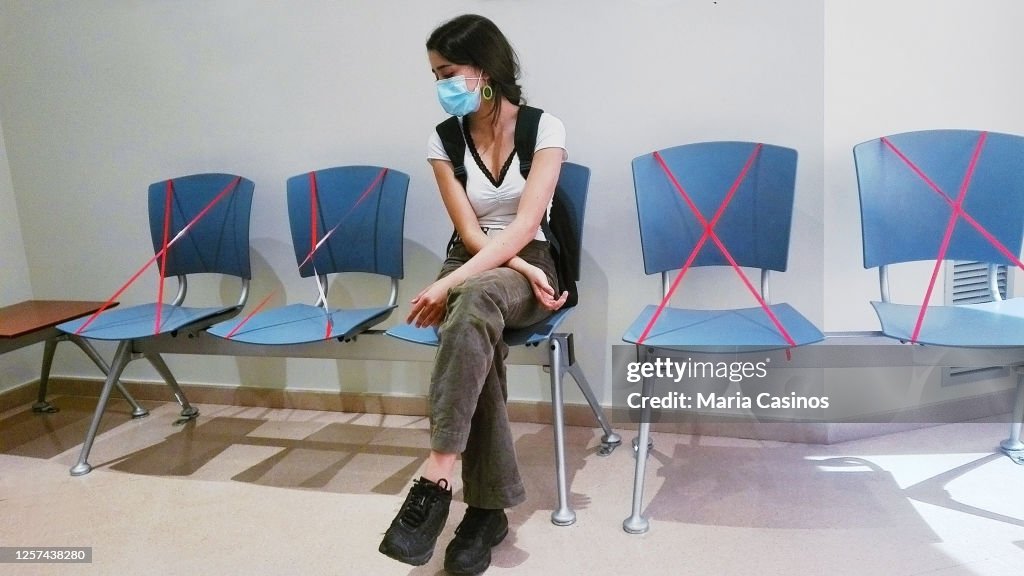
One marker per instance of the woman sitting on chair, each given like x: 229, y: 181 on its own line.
x: 499, y: 273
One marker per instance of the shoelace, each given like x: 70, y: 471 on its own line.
x: 421, y: 497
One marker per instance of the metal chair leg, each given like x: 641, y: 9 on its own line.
x: 42, y: 406
x: 1012, y: 446
x: 188, y: 412
x: 611, y: 439
x: 561, y: 362
x: 563, y: 515
x: 121, y: 359
x: 636, y: 523
x: 137, y: 410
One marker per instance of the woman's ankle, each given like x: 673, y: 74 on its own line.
x: 439, y: 466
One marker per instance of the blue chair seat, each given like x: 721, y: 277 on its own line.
x: 990, y: 324
x: 531, y: 335
x: 301, y: 324
x: 138, y: 321
x: 721, y: 329
x: 410, y: 333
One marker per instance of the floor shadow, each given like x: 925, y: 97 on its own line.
x: 536, y: 455
x: 934, y: 491
x: 44, y: 436
x: 745, y: 487
x: 331, y: 457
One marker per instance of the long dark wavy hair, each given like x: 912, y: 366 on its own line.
x: 474, y: 40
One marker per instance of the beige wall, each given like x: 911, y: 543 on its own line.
x: 16, y: 367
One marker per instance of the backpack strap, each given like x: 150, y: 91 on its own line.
x: 526, y: 136
x: 557, y: 228
x: 454, y: 144
x: 526, y: 140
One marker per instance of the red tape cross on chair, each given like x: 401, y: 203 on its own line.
x: 956, y: 214
x: 709, y: 232
x: 161, y: 255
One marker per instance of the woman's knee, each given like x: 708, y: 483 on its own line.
x: 475, y: 297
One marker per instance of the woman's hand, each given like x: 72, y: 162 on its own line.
x: 428, y: 307
x: 542, y: 289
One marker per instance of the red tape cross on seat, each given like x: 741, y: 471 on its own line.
x: 315, y: 245
x: 709, y: 232
x: 956, y: 214
x: 163, y: 251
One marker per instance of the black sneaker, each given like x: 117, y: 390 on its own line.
x: 470, y: 551
x: 413, y: 533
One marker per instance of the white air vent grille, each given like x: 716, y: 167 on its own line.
x: 969, y: 285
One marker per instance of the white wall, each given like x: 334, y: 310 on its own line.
x: 15, y: 367
x: 101, y: 98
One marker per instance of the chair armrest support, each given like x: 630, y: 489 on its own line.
x: 883, y: 282
x: 179, y: 298
x: 993, y: 283
x: 765, y: 292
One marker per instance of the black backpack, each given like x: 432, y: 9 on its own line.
x: 558, y: 228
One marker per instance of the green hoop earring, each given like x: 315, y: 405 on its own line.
x: 487, y: 92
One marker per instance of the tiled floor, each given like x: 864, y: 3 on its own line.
x: 258, y: 491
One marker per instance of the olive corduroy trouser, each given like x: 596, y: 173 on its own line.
x: 468, y: 389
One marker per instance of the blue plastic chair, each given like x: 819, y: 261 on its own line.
x: 915, y: 177
x: 217, y: 242
x: 753, y: 225
x: 573, y: 185
x: 362, y: 208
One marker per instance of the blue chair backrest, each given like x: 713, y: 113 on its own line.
x: 365, y: 205
x: 754, y: 227
x: 903, y: 218
x: 219, y: 241
x: 573, y: 184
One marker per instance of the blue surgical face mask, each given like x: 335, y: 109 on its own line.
x: 456, y: 98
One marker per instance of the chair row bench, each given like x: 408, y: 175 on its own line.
x: 706, y: 204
